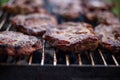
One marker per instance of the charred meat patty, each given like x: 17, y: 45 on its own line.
x: 24, y: 6
x: 72, y: 37
x: 107, y: 18
x: 33, y: 24
x: 67, y: 9
x: 109, y: 37
x: 15, y: 43
x: 93, y: 7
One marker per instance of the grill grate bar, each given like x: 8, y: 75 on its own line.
x: 18, y: 59
x: 43, y: 54
x: 79, y: 59
x: 115, y: 61
x: 9, y: 59
x: 55, y: 59
x: 5, y: 23
x: 8, y: 27
x: 15, y: 60
x: 67, y: 59
x: 92, y: 60
x: 104, y: 61
x: 2, y: 23
x: 30, y: 60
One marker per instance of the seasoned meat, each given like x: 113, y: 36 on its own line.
x: 107, y: 18
x: 24, y: 6
x: 109, y: 37
x: 15, y: 43
x: 72, y: 37
x: 93, y: 7
x: 34, y: 24
x: 68, y: 9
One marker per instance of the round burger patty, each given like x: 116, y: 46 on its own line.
x: 72, y: 37
x: 68, y: 9
x: 93, y: 7
x: 109, y: 37
x: 107, y: 18
x: 15, y: 43
x: 34, y: 24
x: 24, y: 6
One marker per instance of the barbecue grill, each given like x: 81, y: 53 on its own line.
x: 51, y: 63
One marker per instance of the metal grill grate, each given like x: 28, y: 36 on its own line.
x: 96, y: 58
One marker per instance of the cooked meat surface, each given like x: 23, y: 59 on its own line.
x: 16, y: 44
x: 68, y: 9
x: 72, y: 37
x: 107, y: 18
x: 93, y: 7
x: 34, y: 24
x: 109, y: 36
x: 24, y: 6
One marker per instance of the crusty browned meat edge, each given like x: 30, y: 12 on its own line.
x: 73, y: 42
x: 24, y: 6
x: 16, y: 44
x: 34, y: 24
x: 109, y: 37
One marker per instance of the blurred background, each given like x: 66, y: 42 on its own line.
x: 115, y: 10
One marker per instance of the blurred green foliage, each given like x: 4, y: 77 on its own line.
x: 3, y: 1
x: 116, y: 9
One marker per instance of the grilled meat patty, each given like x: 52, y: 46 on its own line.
x: 109, y: 37
x: 93, y: 7
x: 34, y: 24
x: 67, y: 9
x: 24, y: 6
x: 107, y: 18
x: 15, y: 43
x: 72, y: 37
